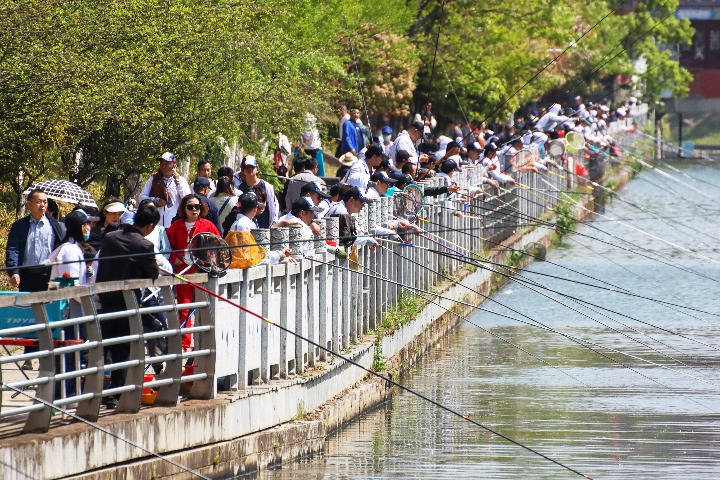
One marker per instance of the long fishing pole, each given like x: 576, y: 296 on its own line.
x: 357, y: 72
x: 521, y: 279
x: 610, y: 286
x: 588, y: 344
x: 105, y: 431
x: 470, y: 260
x: 372, y: 372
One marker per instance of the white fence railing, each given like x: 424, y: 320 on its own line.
x: 320, y: 297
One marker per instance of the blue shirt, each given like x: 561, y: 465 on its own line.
x: 39, y: 242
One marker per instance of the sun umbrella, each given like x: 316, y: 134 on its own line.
x: 65, y: 191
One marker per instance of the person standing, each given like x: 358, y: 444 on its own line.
x: 352, y: 136
x: 201, y: 186
x: 110, y: 214
x: 311, y: 142
x: 30, y: 241
x: 165, y: 188
x: 308, y: 174
x: 407, y: 141
x: 125, y: 254
x: 204, y: 169
x: 359, y: 174
x: 190, y: 223
x: 224, y: 198
x: 249, y: 168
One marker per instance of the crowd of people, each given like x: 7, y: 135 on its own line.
x: 128, y: 240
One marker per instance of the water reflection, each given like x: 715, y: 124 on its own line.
x: 586, y: 410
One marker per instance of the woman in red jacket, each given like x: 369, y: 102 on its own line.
x: 190, y: 222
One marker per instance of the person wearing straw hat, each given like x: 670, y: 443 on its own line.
x: 346, y: 160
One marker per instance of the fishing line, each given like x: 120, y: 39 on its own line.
x: 357, y: 72
x: 437, y: 40
x: 580, y: 341
x: 585, y: 303
x: 370, y: 371
x: 532, y: 288
x: 575, y: 299
x: 614, y: 288
x: 106, y: 431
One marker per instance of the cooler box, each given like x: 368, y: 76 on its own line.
x: 22, y: 316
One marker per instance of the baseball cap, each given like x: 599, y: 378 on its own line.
x: 354, y: 192
x: 404, y: 179
x: 114, y: 207
x: 382, y: 177
x: 248, y: 200
x: 449, y: 166
x: 491, y: 147
x: 304, y: 203
x: 402, y: 156
x: 474, y: 146
x: 387, y: 130
x: 201, y: 182
x: 78, y: 218
x: 313, y: 187
x: 250, y: 160
x: 168, y: 157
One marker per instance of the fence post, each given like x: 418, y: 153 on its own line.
x: 206, y: 388
x: 130, y: 401
x: 39, y: 420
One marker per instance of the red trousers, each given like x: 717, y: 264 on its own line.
x: 184, y: 294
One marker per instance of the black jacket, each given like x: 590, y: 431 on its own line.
x: 17, y: 241
x: 125, y: 242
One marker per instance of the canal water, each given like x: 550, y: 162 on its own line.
x: 574, y: 405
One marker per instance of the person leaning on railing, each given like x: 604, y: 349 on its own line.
x: 119, y: 260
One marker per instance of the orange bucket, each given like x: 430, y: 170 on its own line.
x: 148, y: 394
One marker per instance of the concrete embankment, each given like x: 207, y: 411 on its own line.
x: 305, y: 434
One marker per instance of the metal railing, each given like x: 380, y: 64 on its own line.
x: 320, y: 297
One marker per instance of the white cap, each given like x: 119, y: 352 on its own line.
x: 168, y: 157
x: 250, y: 160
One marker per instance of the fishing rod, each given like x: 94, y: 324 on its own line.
x: 651, y: 235
x: 592, y: 306
x: 576, y: 299
x: 533, y: 323
x: 370, y: 371
x: 466, y: 319
x: 610, y: 286
x: 106, y: 431
x: 357, y: 72
x: 647, y: 255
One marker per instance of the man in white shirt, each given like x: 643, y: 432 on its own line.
x: 359, y: 174
x: 379, y: 185
x: 312, y: 191
x: 307, y: 174
x: 302, y: 212
x: 166, y: 188
x: 406, y: 140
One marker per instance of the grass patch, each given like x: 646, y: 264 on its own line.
x: 407, y: 308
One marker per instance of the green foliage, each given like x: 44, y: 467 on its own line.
x: 94, y: 91
x: 565, y: 221
x: 378, y: 363
x: 514, y: 257
x: 407, y: 308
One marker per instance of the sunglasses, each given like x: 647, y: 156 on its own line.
x: 193, y: 206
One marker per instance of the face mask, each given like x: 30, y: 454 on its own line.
x: 86, y: 236
x: 387, y: 137
x: 390, y: 192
